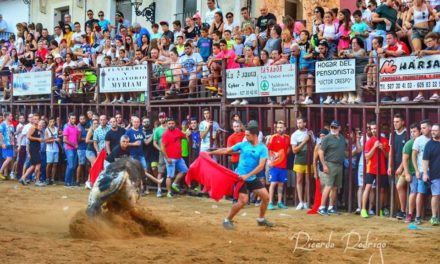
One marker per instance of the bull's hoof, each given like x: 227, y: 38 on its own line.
x: 92, y: 212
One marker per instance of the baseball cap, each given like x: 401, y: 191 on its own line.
x: 162, y: 114
x: 163, y: 23
x: 196, y: 16
x: 335, y: 123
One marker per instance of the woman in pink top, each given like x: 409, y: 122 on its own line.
x: 344, y: 30
x: 229, y: 55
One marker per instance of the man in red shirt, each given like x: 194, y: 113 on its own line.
x: 172, y: 152
x: 233, y: 139
x: 394, y: 49
x: 278, y: 146
x: 376, y: 147
x: 41, y: 51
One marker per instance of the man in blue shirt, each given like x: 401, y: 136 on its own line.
x: 7, y: 144
x: 253, y: 156
x: 139, y: 32
x: 81, y: 151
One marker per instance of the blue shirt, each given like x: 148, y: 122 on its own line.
x: 82, y: 144
x: 250, y: 156
x: 136, y: 135
x: 104, y: 24
x: 7, y: 132
x: 205, y: 47
x: 431, y: 153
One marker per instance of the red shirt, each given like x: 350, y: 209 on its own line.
x: 279, y: 144
x: 372, y: 163
x: 171, y: 140
x: 399, y: 46
x: 232, y: 140
x: 42, y: 53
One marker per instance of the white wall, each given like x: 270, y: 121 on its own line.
x: 14, y: 11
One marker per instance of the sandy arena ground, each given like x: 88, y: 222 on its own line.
x: 34, y: 228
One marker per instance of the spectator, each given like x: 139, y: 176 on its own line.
x: 316, y: 28
x: 376, y: 147
x: 52, y: 140
x: 418, y: 183
x: 431, y: 170
x: 103, y: 23
x: 230, y: 24
x: 34, y: 137
x: 328, y: 31
x: 299, y: 141
x: 191, y: 31
x: 155, y: 32
x: 68, y: 20
x: 121, y: 22
x: 344, y: 29
x: 236, y: 137
x: 208, y: 132
x: 76, y: 36
x: 274, y: 42
x: 100, y: 133
x: 5, y: 61
x: 331, y: 155
x: 212, y: 9
x: 384, y: 19
x: 395, y: 164
x: 113, y: 135
x: 198, y: 22
x: 166, y: 31
x: 139, y: 33
x: 251, y: 38
x: 91, y: 20
x: 278, y: 146
x: 157, y: 143
x: 67, y: 36
x: 262, y: 24
x: 172, y: 151
x: 7, y: 144
x: 120, y: 151
x: 71, y: 137
x: 177, y: 30
x: 41, y: 51
x: 217, y: 24
x: 192, y: 67
x: 359, y: 28
x: 204, y: 45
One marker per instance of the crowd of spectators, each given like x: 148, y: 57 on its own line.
x: 184, y: 54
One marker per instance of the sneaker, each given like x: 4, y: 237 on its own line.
x: 264, y: 222
x: 386, y: 212
x: 244, y: 102
x: 404, y: 99
x: 2, y: 177
x: 418, y: 220
x: 434, y: 97
x: 211, y: 88
x: 409, y: 218
x: 419, y: 98
x: 371, y: 212
x: 175, y: 187
x: 332, y: 212
x: 387, y: 99
x: 323, y: 211
x: 281, y: 205
x: 159, y: 193
x: 364, y: 213
x: 400, y: 215
x: 77, y: 184
x: 299, y: 206
x: 236, y: 102
x: 344, y: 100
x: 169, y: 195
x: 358, y: 211
x: 121, y: 100
x: 358, y: 100
x: 306, y: 206
x: 270, y: 206
x: 12, y: 176
x: 40, y: 184
x: 434, y: 221
x: 307, y: 101
x: 329, y: 100
x: 114, y: 101
x: 23, y: 182
x: 227, y: 224
x: 88, y: 185
x: 381, y: 213
x: 257, y: 203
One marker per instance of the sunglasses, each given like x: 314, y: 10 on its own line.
x: 229, y: 17
x: 67, y: 28
x: 90, y: 14
x: 101, y: 15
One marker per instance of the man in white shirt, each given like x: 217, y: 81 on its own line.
x: 207, y: 127
x: 22, y: 143
x: 58, y: 34
x: 212, y: 9
x: 76, y: 37
x: 192, y: 67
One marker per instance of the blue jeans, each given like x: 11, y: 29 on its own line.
x: 43, y: 165
x: 71, y: 165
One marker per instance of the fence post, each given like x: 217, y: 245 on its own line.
x: 149, y: 90
x: 98, y: 85
x: 52, y: 92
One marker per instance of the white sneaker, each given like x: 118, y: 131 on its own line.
x: 244, y: 102
x: 358, y: 100
x: 404, y: 99
x: 344, y: 100
x: 121, y: 100
x: 88, y: 185
x: 307, y: 101
x: 329, y: 100
x: 306, y: 206
x: 114, y: 101
x: 159, y: 193
x: 299, y: 206
x: 236, y: 102
x: 351, y: 98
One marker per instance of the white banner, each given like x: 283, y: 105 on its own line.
x: 409, y: 73
x: 335, y: 76
x: 32, y: 83
x: 261, y: 81
x: 123, y: 79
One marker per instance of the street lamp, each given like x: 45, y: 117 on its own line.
x: 148, y: 12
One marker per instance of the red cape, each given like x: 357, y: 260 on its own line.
x: 216, y: 179
x: 318, y: 194
x: 98, y: 166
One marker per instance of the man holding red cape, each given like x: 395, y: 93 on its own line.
x: 253, y: 156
